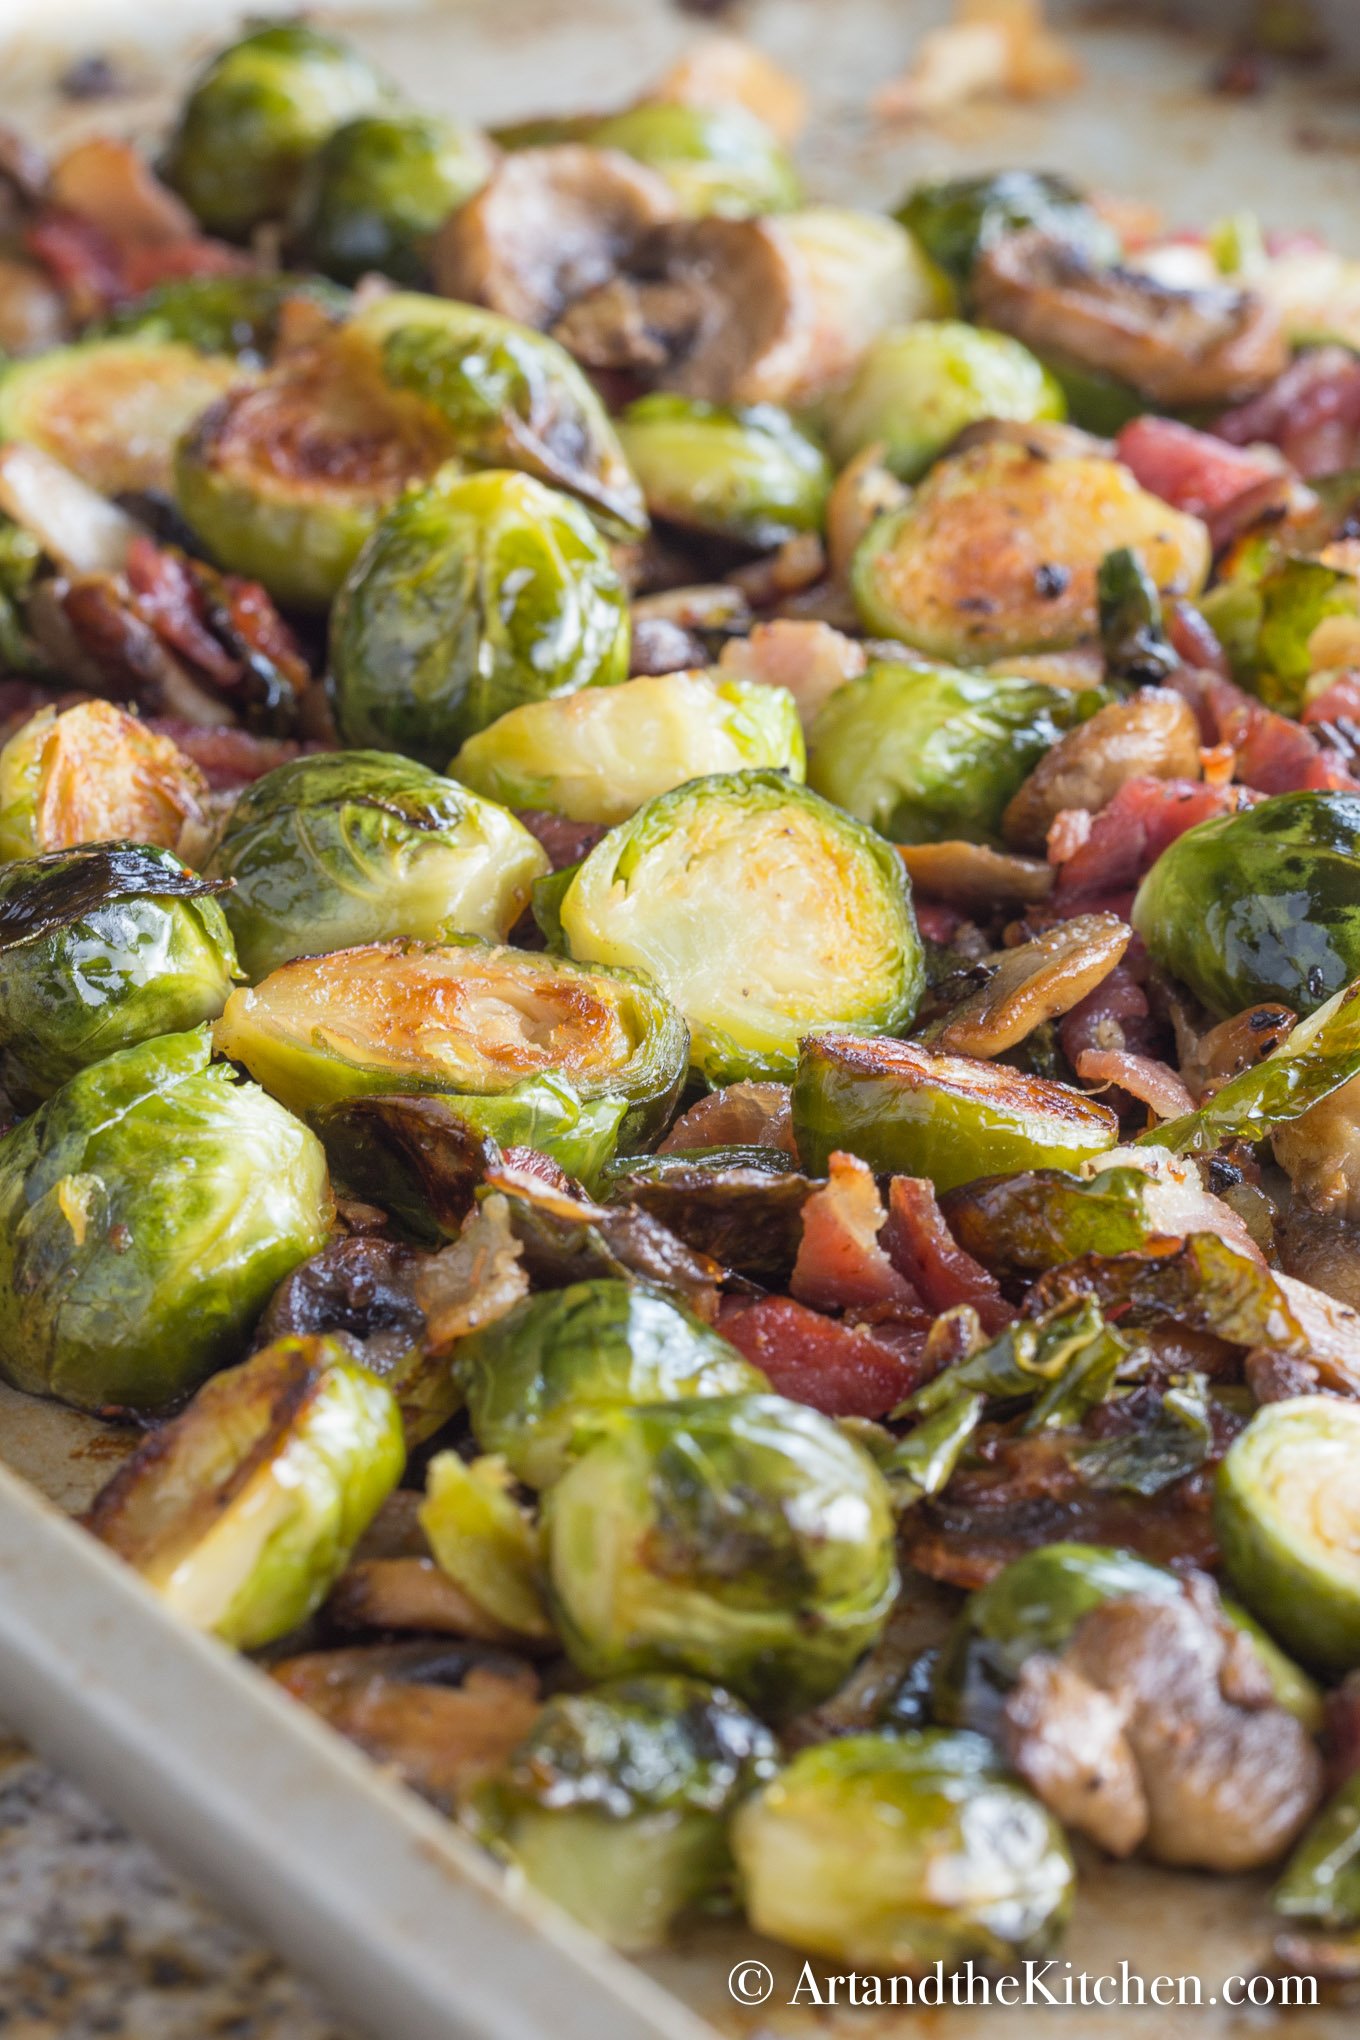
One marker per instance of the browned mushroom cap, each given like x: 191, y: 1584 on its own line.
x: 712, y: 308
x: 549, y: 225
x: 1152, y: 736
x: 1175, y: 346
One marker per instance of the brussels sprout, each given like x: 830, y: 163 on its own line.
x: 741, y: 1205
x: 1316, y: 1058
x: 1267, y: 624
x: 536, y: 1051
x: 1321, y: 1880
x: 762, y: 911
x: 956, y: 218
x: 99, y: 949
x: 21, y: 558
x: 1022, y: 1224
x: 285, y: 478
x: 745, y: 1539
x: 536, y: 1377
x: 1064, y: 1361
x: 916, y: 390
x: 484, y: 1542
x: 92, y: 774
x: 744, y: 472
x: 1262, y: 904
x: 147, y: 1212
x: 1036, y: 1602
x: 597, y: 755
x: 355, y: 846
x: 616, y: 1804
x: 373, y: 194
x: 898, y: 1852
x: 997, y: 552
x: 716, y: 159
x: 237, y: 314
x: 255, y: 114
x: 867, y: 275
x: 931, y: 754
x: 477, y: 594
x: 1288, y: 1520
x: 907, y: 1110
x: 243, y: 1511
x: 510, y: 398
x: 112, y: 410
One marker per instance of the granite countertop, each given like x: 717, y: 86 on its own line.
x: 99, y: 1938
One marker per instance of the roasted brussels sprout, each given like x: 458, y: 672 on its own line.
x: 916, y: 390
x: 763, y: 912
x: 1321, y: 1880
x: 1262, y: 904
x: 286, y: 477
x: 597, y: 755
x: 616, y: 1805
x: 1288, y: 1520
x: 537, y: 1051
x: 147, y: 1212
x: 355, y: 846
x: 255, y: 114
x: 243, y: 1511
x: 237, y: 314
x: 898, y: 1852
x: 101, y: 948
x: 745, y: 1539
x: 929, y: 754
x: 998, y: 551
x: 716, y: 159
x: 536, y: 1378
x: 741, y: 1205
x: 509, y: 397
x: 92, y: 774
x: 908, y: 1110
x: 477, y: 594
x: 741, y: 472
x: 485, y: 1543
x: 1267, y: 623
x: 956, y: 218
x: 374, y: 192
x: 112, y: 410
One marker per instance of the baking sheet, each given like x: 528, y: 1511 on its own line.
x: 397, y: 1918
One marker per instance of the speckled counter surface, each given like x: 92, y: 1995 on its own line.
x: 99, y: 1938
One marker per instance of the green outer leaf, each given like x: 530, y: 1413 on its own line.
x: 483, y: 1540
x: 1039, y: 1218
x: 1321, y: 1880
x: 1319, y: 1056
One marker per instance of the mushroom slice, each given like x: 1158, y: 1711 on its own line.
x: 714, y: 308
x: 548, y: 226
x: 1175, y: 347
x: 1032, y: 983
x: 1154, y: 735
x: 974, y: 878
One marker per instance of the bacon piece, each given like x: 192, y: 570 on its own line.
x: 1195, y: 641
x: 1129, y: 835
x: 1271, y: 753
x: 843, y: 1370
x: 938, y: 923
x: 566, y: 842
x: 1191, y: 470
x: 1339, y: 701
x: 168, y: 598
x: 840, y: 1264
x: 810, y: 660
x: 1152, y: 1082
x: 80, y: 257
x: 1108, y: 1019
x: 744, y: 1115
x: 922, y: 1248
x: 228, y: 758
x: 1311, y: 412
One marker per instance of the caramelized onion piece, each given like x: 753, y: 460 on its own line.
x: 972, y: 877
x: 1033, y: 983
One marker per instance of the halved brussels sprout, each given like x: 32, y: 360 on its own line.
x: 916, y: 390
x: 1262, y: 904
x: 475, y: 595
x: 907, y: 1110
x: 998, y: 551
x: 510, y: 398
x: 744, y: 472
x: 374, y: 192
x: 762, y: 911
x: 956, y: 218
x: 616, y: 1804
x: 254, y: 115
x: 101, y: 948
x: 929, y: 754
x: 901, y: 1852
x: 1267, y: 623
x: 597, y: 755
x: 89, y: 775
x: 147, y: 1212
x: 485, y: 1543
x: 1035, y: 1604
x: 355, y: 846
x: 745, y: 1539
x: 716, y: 159
x: 242, y: 1512
x: 285, y: 478
x: 536, y: 1378
x: 238, y: 314
x: 112, y: 410
x: 538, y: 1052
x: 1321, y: 1880
x: 1287, y: 1512
x: 866, y: 275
